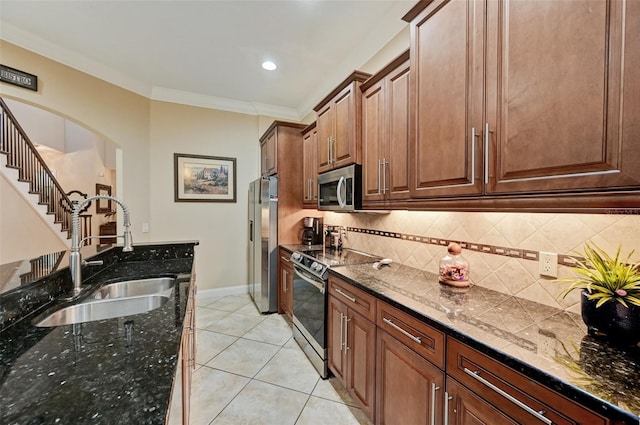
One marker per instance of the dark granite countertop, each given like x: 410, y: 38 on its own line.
x: 116, y: 371
x: 546, y: 344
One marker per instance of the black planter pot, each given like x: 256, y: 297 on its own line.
x: 612, y: 320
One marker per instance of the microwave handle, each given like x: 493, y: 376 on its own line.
x: 341, y: 201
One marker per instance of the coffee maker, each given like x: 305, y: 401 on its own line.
x: 312, y: 231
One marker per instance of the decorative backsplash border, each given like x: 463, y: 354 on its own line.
x: 525, y: 254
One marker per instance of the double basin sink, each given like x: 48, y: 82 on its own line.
x: 113, y: 300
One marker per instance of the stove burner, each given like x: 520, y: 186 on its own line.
x: 318, y: 261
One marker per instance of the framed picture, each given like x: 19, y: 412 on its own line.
x: 200, y: 178
x: 103, y: 206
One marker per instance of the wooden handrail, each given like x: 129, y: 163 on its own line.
x: 23, y: 156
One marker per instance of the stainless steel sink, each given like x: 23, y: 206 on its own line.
x: 103, y: 309
x: 133, y: 288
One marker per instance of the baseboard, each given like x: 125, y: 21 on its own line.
x: 222, y: 292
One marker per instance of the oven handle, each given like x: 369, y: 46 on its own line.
x: 300, y: 273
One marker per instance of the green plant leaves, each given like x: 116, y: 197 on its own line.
x: 602, y: 275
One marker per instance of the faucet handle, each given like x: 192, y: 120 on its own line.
x: 92, y: 263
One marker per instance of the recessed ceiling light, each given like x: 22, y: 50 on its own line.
x: 268, y: 65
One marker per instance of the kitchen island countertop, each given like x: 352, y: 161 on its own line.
x: 116, y: 371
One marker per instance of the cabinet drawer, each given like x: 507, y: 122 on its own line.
x: 517, y: 395
x: 353, y: 297
x: 422, y: 338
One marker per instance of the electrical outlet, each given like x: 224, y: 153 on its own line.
x: 548, y: 265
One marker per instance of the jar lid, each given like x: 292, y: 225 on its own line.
x: 454, y: 248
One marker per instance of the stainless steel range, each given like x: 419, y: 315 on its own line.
x: 310, y: 276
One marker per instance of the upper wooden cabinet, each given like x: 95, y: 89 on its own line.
x: 513, y: 97
x: 385, y: 133
x: 338, y: 124
x: 283, y: 141
x: 310, y: 166
x: 276, y: 144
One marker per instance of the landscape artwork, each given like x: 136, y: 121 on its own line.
x: 200, y: 178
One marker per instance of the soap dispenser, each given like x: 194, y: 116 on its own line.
x: 454, y: 268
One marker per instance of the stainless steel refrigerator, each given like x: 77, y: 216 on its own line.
x: 263, y: 243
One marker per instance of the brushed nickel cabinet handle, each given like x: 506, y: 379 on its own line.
x: 536, y: 414
x: 434, y: 388
x: 379, y: 175
x: 486, y: 153
x: 384, y: 175
x: 405, y: 333
x: 346, y: 332
x: 447, y: 397
x: 341, y: 331
x: 353, y: 300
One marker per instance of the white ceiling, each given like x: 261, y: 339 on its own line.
x: 208, y: 52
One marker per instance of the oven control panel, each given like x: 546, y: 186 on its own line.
x: 310, y: 264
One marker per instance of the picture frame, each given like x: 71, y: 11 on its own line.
x: 103, y: 206
x: 202, y: 178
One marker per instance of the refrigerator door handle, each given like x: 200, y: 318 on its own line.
x: 251, y: 230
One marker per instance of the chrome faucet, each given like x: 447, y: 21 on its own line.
x: 75, y: 259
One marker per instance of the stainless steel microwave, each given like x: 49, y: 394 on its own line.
x: 341, y: 189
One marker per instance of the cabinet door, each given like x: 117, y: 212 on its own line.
x: 554, y: 100
x: 466, y: 408
x: 396, y: 156
x: 325, y: 125
x: 409, y: 389
x: 346, y: 127
x: 285, y: 289
x: 446, y: 99
x: 373, y: 137
x: 335, y: 339
x: 361, y: 360
x: 310, y: 168
x: 268, y: 151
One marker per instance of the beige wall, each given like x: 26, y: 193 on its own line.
x: 115, y: 114
x: 20, y: 224
x: 220, y: 227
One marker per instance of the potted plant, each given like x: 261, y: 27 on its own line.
x: 610, y: 298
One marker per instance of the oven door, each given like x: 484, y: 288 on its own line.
x: 309, y: 314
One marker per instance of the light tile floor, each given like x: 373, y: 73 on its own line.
x: 251, y: 371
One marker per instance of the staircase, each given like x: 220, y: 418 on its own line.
x: 29, y: 174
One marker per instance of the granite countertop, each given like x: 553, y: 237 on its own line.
x: 547, y: 344
x: 112, y: 371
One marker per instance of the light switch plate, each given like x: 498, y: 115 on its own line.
x: 145, y: 227
x: 548, y: 265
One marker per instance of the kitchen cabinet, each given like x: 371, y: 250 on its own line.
x: 496, y: 111
x: 512, y: 398
x: 181, y: 394
x: 310, y: 166
x: 338, y: 123
x: 285, y: 287
x: 277, y: 145
x: 352, y: 341
x: 287, y: 139
x: 410, y: 358
x: 385, y: 133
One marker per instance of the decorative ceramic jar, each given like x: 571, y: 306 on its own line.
x: 454, y: 268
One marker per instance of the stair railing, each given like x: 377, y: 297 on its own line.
x: 23, y: 156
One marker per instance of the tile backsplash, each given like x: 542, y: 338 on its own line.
x: 514, y: 238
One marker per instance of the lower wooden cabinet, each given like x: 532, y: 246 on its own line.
x: 352, y: 345
x: 409, y: 388
x: 285, y: 285
x: 466, y: 408
x: 179, y: 407
x: 420, y: 375
x: 512, y: 395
